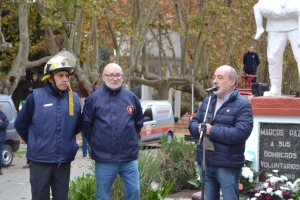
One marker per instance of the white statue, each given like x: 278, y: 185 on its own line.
x: 283, y: 25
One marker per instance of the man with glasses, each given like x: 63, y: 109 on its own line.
x: 112, y: 120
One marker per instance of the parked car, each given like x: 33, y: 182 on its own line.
x: 158, y: 121
x: 12, y: 142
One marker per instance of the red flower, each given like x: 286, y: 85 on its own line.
x: 286, y: 193
x: 261, y: 197
x: 256, y: 191
x: 264, y: 178
x: 269, y: 185
x: 268, y: 196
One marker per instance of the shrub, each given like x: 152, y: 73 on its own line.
x: 83, y: 187
x: 149, y: 164
x: 196, y: 182
x: 174, y: 161
x: 161, y: 191
x: 177, y: 162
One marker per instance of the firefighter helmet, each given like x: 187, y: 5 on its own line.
x: 55, y: 64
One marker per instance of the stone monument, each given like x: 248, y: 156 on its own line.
x: 279, y: 148
x: 283, y: 25
x: 275, y: 135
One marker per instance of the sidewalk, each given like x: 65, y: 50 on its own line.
x: 14, y: 183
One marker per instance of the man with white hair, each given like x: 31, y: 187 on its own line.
x: 232, y: 123
x: 112, y: 119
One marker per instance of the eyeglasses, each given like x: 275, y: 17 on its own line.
x: 112, y: 76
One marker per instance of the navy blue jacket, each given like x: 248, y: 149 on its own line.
x: 230, y: 129
x: 3, y: 125
x: 251, y: 62
x: 112, y: 121
x: 45, y: 125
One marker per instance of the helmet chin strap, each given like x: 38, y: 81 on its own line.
x: 70, y: 96
x: 52, y: 77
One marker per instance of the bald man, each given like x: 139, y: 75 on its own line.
x: 230, y: 128
x: 112, y: 121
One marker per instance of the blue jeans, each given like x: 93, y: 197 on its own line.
x: 226, y: 179
x: 106, y: 173
x: 1, y: 150
x: 86, y: 147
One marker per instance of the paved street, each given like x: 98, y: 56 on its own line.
x: 14, y: 183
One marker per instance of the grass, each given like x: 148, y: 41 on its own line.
x: 22, y: 152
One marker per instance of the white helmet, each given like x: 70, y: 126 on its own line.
x: 55, y: 64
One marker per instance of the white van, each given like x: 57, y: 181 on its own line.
x: 158, y: 121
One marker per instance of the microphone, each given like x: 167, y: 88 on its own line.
x: 213, y: 88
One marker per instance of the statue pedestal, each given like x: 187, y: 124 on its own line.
x: 275, y: 134
x: 276, y: 106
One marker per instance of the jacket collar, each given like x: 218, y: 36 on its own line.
x: 54, y: 91
x: 233, y: 95
x: 106, y: 88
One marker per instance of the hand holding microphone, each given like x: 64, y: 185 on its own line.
x: 208, y: 127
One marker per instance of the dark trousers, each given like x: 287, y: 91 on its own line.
x: 46, y: 175
x: 1, y: 150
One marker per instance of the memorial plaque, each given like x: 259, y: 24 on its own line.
x: 279, y: 149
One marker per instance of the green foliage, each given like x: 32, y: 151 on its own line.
x: 186, y: 107
x: 117, y: 191
x: 2, y: 75
x: 149, y: 164
x: 177, y: 161
x: 196, y: 182
x: 296, y: 196
x: 296, y: 189
x: 104, y: 56
x: 83, y: 188
x: 171, y: 166
x: 195, y: 20
x: 161, y: 191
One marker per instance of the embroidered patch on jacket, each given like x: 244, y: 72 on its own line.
x: 130, y: 109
